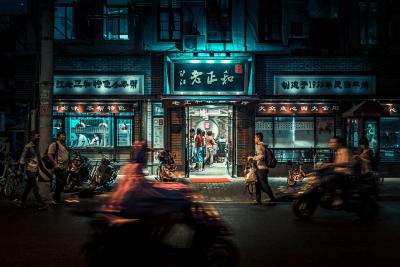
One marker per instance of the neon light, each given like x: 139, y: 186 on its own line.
x: 210, y: 61
x: 226, y: 61
x: 194, y: 61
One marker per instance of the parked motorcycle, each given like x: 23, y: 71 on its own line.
x: 296, y: 173
x: 359, y: 196
x: 105, y: 174
x: 167, y: 167
x: 193, y: 235
x: 78, y: 173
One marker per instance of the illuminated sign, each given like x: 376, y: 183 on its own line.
x: 208, y: 77
x: 98, y: 85
x: 92, y: 108
x: 394, y: 109
x: 324, y: 85
x: 296, y: 108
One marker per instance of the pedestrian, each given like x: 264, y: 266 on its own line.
x: 210, y: 143
x: 199, y: 149
x: 58, y: 153
x: 262, y: 172
x: 29, y: 165
x: 366, y: 157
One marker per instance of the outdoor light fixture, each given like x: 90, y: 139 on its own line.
x: 211, y: 54
x: 195, y: 54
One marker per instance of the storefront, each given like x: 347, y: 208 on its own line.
x: 306, y: 112
x: 98, y: 113
x: 215, y: 95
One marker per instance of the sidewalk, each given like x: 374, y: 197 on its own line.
x: 236, y: 190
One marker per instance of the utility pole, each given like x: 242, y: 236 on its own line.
x: 46, y: 72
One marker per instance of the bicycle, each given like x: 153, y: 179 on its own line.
x: 10, y: 182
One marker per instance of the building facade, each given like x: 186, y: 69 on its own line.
x: 298, y: 71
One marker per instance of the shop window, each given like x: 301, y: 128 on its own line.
x: 294, y: 132
x: 115, y: 22
x: 56, y: 128
x: 124, y: 132
x: 371, y: 133
x: 390, y: 138
x: 169, y: 20
x: 264, y: 126
x: 368, y: 23
x: 219, y: 21
x: 324, y: 131
x: 63, y: 21
x: 89, y: 132
x: 270, y: 20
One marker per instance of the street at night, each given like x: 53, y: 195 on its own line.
x: 199, y: 133
x: 265, y: 236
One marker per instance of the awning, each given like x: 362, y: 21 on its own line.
x: 366, y: 109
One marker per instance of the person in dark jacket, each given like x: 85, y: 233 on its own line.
x: 29, y: 165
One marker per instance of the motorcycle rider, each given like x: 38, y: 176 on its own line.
x: 339, y: 169
x: 135, y: 196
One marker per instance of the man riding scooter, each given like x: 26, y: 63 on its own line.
x: 337, y: 173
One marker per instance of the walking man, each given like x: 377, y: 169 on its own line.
x: 29, y: 165
x: 58, y: 153
x: 262, y: 172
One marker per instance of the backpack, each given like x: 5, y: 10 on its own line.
x: 269, y: 158
x: 47, y: 162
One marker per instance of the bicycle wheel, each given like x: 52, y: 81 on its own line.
x: 9, y: 188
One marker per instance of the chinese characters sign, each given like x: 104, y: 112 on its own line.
x: 195, y: 78
x: 324, y: 85
x: 93, y: 108
x: 296, y: 108
x: 98, y: 85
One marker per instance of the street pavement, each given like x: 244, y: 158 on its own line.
x: 265, y: 236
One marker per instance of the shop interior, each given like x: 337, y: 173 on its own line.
x: 215, y: 122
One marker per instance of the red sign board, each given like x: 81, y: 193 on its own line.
x: 297, y: 108
x: 93, y: 108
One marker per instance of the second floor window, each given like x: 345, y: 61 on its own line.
x: 219, y: 21
x: 64, y: 22
x: 169, y: 20
x: 368, y: 23
x: 270, y: 22
x: 116, y: 23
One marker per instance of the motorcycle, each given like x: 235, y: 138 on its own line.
x: 296, y: 173
x: 166, y: 168
x: 178, y: 233
x: 78, y: 173
x: 359, y: 196
x: 105, y: 174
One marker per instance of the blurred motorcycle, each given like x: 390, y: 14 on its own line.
x: 359, y: 196
x: 167, y: 232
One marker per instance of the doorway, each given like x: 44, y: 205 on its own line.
x: 213, y: 158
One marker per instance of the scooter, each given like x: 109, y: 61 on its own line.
x: 188, y: 233
x: 296, y: 173
x: 78, y: 173
x: 166, y: 168
x: 359, y: 196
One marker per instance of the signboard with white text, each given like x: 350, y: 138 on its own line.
x: 98, y: 85
x: 324, y: 85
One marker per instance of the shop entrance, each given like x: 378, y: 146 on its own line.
x: 213, y: 158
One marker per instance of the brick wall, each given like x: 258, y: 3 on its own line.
x: 149, y: 66
x: 245, y: 130
x: 176, y: 131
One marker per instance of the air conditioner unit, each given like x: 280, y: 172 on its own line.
x: 193, y: 42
